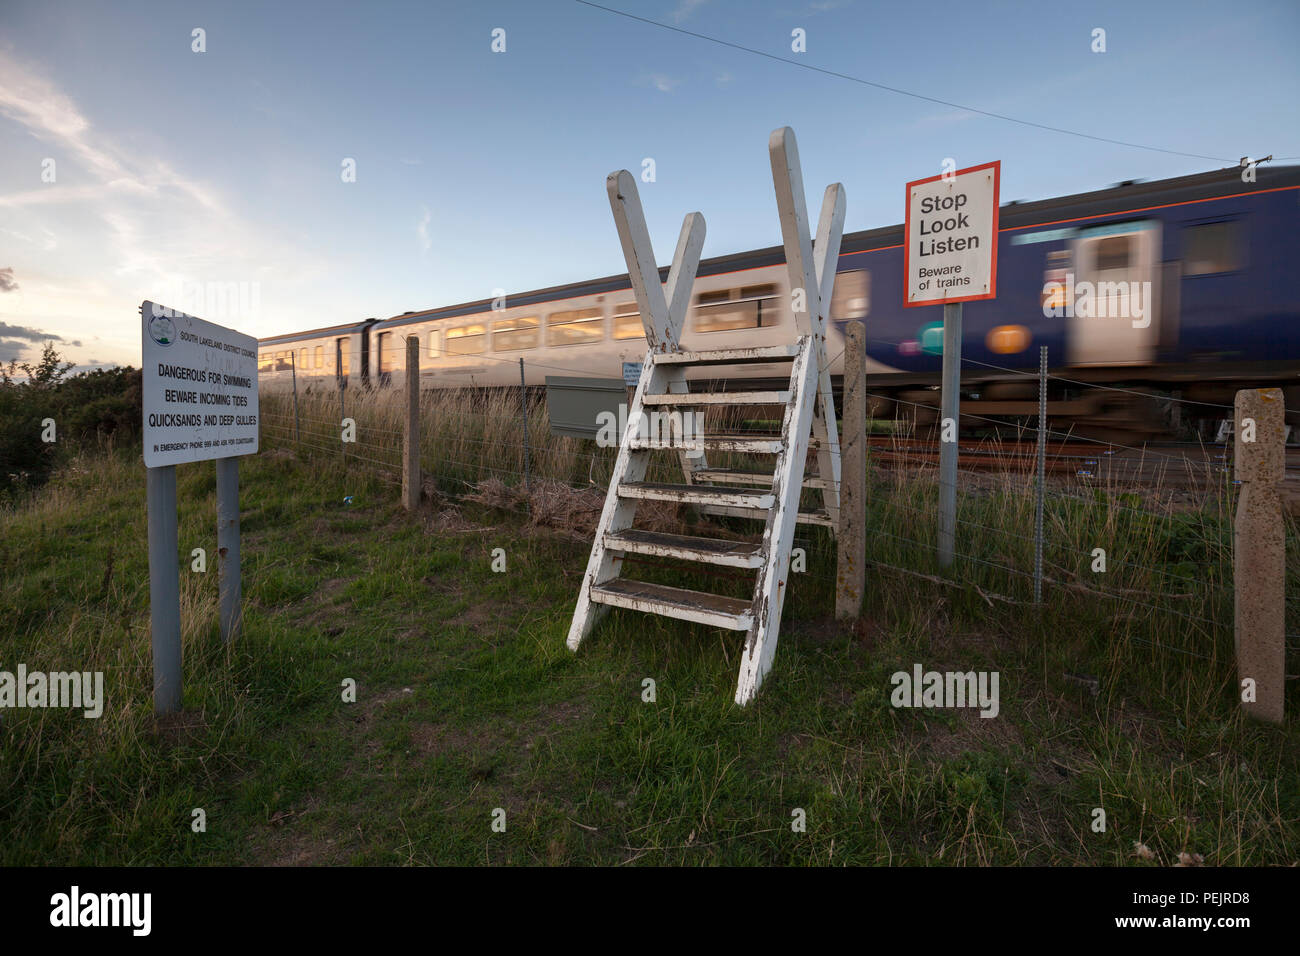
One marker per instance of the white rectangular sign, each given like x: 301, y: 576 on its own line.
x: 950, y: 250
x: 199, y: 388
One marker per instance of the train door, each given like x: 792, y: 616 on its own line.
x: 1113, y: 314
x: 341, y: 363
x: 384, y: 361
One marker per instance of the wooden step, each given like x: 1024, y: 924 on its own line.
x: 738, y: 476
x: 818, y: 516
x: 766, y: 353
x: 683, y: 604
x: 756, y: 445
x: 719, y: 398
x: 752, y: 500
x: 734, y: 554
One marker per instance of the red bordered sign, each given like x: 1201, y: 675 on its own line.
x: 950, y: 246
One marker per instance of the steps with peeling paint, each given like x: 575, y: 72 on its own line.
x: 734, y: 554
x: 698, y: 606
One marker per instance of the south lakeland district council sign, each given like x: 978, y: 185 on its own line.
x: 950, y: 247
x: 200, y: 389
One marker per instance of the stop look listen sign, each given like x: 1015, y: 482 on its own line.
x: 950, y: 250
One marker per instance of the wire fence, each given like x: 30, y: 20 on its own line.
x: 1145, y: 529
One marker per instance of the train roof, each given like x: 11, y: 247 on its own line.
x: 1123, y: 197
x: 326, y: 332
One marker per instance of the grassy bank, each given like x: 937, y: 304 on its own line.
x: 1117, y: 694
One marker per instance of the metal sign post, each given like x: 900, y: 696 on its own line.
x: 199, y: 397
x: 950, y: 412
x: 950, y: 256
x: 229, y: 588
x: 164, y: 588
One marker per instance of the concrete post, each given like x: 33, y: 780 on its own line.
x: 851, y: 540
x: 523, y: 407
x: 1040, y: 477
x: 1259, y: 551
x: 297, y: 432
x: 411, y: 438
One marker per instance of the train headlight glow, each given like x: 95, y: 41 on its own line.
x: 1008, y: 339
x: 930, y: 336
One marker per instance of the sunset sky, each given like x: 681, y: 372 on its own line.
x: 478, y: 170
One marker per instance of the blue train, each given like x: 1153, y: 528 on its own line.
x: 1180, y: 288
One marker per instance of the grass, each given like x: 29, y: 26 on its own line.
x: 469, y: 702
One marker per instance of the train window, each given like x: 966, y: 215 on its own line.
x: 281, y: 361
x: 466, y: 340
x: 1113, y: 253
x: 718, y: 312
x: 433, y: 343
x: 517, y: 333
x: 343, y: 349
x: 265, y: 362
x: 385, y: 360
x: 576, y: 327
x: 725, y: 316
x: 302, y: 359
x: 852, y: 296
x: 1210, y: 248
x: 766, y: 291
x: 320, y: 357
x: 627, y: 322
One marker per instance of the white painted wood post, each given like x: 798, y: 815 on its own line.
x: 662, y: 325
x: 617, y: 514
x: 852, y: 542
x: 663, y: 307
x: 1259, y: 552
x: 411, y: 437
x: 813, y: 275
x: 778, y: 536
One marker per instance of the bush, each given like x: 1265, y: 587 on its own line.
x: 84, y: 407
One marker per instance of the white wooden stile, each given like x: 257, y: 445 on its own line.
x: 816, y: 276
x: 808, y: 422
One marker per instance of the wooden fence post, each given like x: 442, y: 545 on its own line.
x: 411, y: 438
x: 851, y: 539
x: 1259, y: 552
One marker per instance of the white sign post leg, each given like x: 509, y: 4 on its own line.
x: 164, y: 588
x: 228, y: 585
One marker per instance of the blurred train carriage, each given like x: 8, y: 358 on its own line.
x: 1213, y: 307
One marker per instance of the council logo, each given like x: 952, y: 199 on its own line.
x: 162, y: 330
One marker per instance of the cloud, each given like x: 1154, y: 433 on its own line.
x: 422, y: 229
x: 22, y: 332
x: 114, y: 199
x: 686, y: 8
x: 51, y: 116
x: 34, y: 335
x: 7, y: 281
x: 662, y: 82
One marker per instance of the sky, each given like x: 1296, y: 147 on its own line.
x: 133, y: 166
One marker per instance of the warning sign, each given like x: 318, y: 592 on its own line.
x: 199, y: 388
x: 950, y: 253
